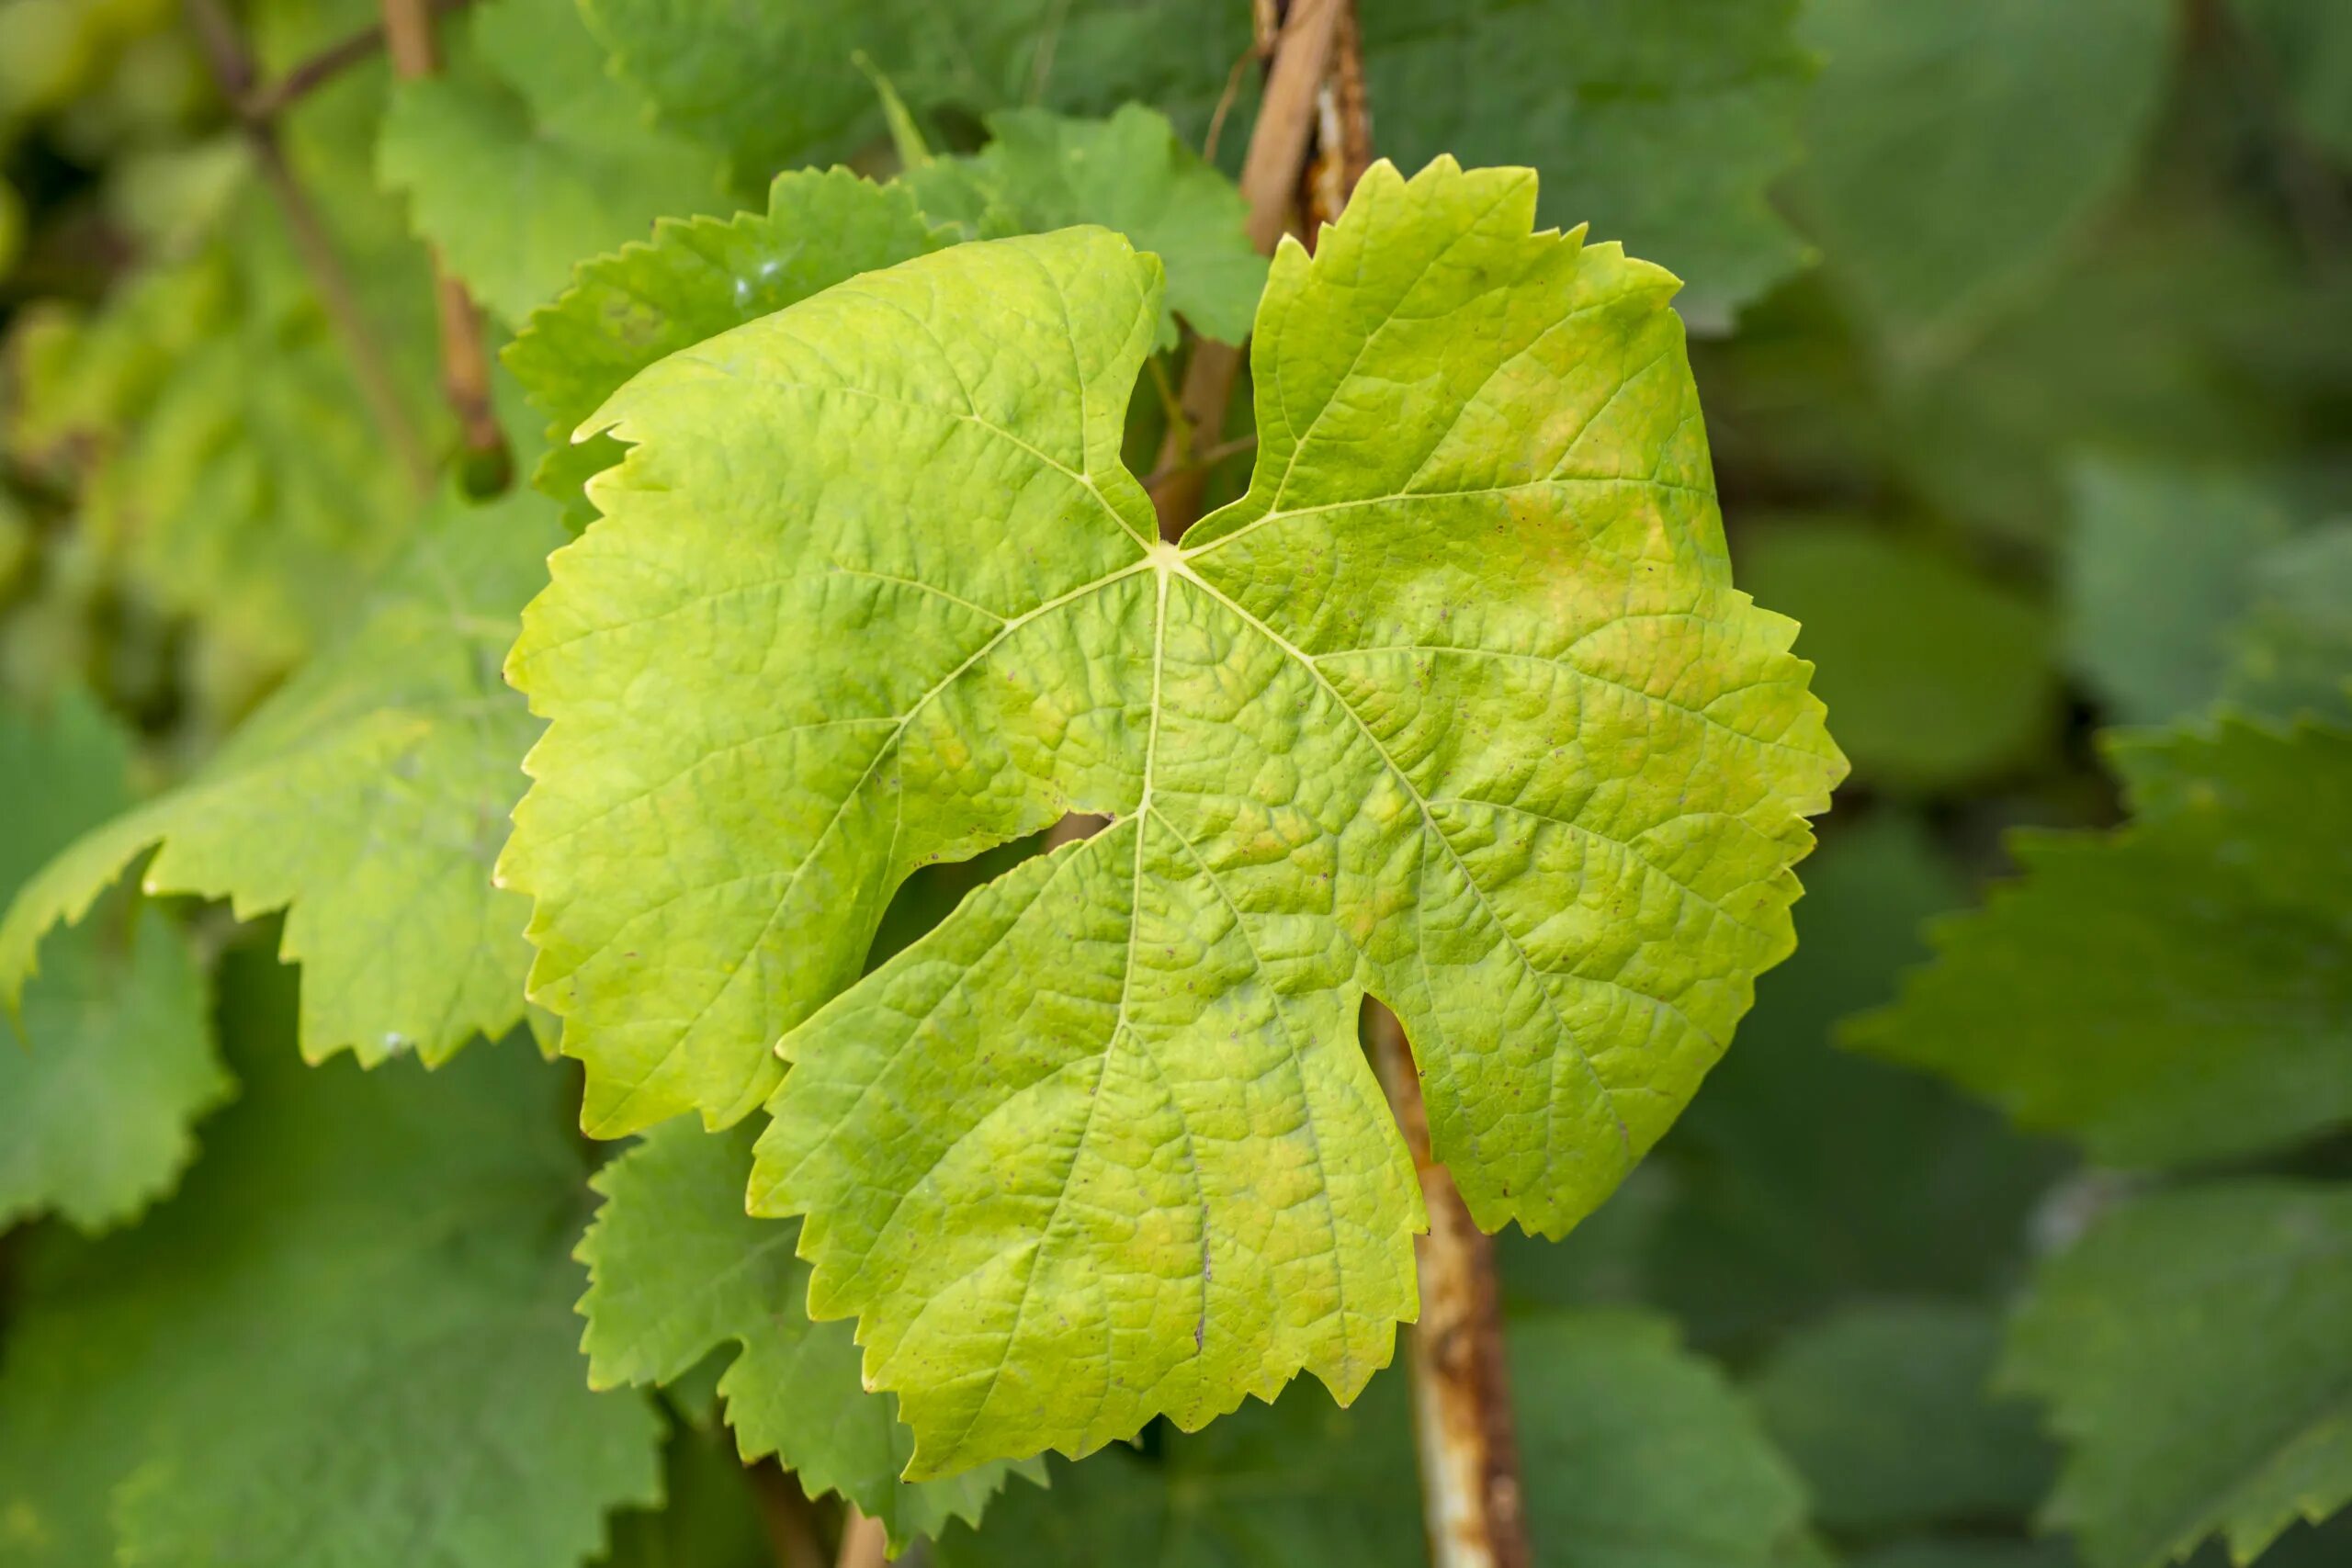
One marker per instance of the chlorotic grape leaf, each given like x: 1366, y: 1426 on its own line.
x: 694, y: 279
x: 2158, y: 571
x: 346, y: 1340
x: 778, y: 85
x: 2178, y: 990
x: 677, y: 1271
x: 396, y: 751
x: 1128, y: 173
x: 2195, y: 1351
x: 1937, y: 675
x: 1663, y: 123
x: 2293, y: 650
x: 1636, y: 1455
x: 519, y: 164
x: 1931, y: 116
x: 116, y: 1062
x: 1456, y: 706
x: 1887, y: 1409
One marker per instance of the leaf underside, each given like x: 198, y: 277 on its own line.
x: 1456, y: 706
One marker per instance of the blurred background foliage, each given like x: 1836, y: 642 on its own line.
x: 2024, y: 332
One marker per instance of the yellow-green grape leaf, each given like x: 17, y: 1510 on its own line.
x: 677, y: 1271
x: 114, y: 1064
x: 530, y: 156
x: 347, y: 1340
x: 1636, y: 1454
x: 2175, y: 991
x: 1663, y: 123
x: 2195, y: 1352
x: 1955, y: 147
x: 1456, y: 706
x: 1129, y: 173
x: 1939, y: 676
x: 694, y: 279
x: 395, y: 753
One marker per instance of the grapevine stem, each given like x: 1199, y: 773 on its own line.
x: 1473, y: 1507
x: 465, y: 359
x: 310, y: 75
x: 233, y: 69
x: 863, y: 1544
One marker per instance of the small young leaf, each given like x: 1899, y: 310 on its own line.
x: 2178, y: 990
x: 116, y: 1061
x: 396, y: 751
x: 693, y: 280
x: 345, y: 1341
x: 1456, y: 706
x: 519, y: 164
x: 1129, y: 173
x: 2195, y: 1350
x: 676, y: 1270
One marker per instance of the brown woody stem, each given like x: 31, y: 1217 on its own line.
x: 233, y: 71
x: 1472, y: 1503
x: 465, y: 356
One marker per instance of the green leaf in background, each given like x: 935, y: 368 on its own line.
x: 1956, y: 147
x: 707, y: 1517
x: 530, y: 155
x: 2176, y: 991
x: 1318, y: 794
x: 1128, y: 173
x: 1660, y: 122
x: 1887, y: 1410
x: 397, y: 751
x: 346, y: 1340
x: 116, y: 1061
x: 2195, y: 1350
x: 2294, y: 647
x: 1636, y: 1454
x: 2158, y: 570
x: 1962, y: 1552
x: 1938, y: 676
x: 694, y: 280
x: 677, y: 1271
x: 2308, y: 47
x: 776, y: 86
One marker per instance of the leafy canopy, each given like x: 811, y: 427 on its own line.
x: 1456, y: 705
x: 2174, y: 992
x: 116, y: 1061
x: 2194, y: 1354
x: 396, y: 751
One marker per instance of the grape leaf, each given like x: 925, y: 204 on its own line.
x: 1967, y: 1552
x: 1129, y: 173
x: 116, y: 1062
x: 2175, y: 991
x: 2158, y: 571
x: 396, y: 751
x: 694, y: 279
x: 1956, y: 146
x: 1636, y: 1455
x: 2310, y: 48
x: 678, y: 1270
x: 1938, y: 677
x: 1456, y: 705
x: 1662, y: 124
x: 520, y: 162
x: 345, y: 1341
x: 776, y: 87
x: 2195, y: 1350
x: 1887, y: 1410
